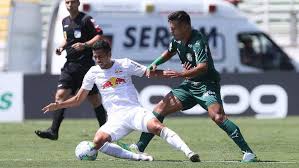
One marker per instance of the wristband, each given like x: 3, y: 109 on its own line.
x: 157, y: 62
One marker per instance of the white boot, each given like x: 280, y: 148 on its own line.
x: 145, y: 157
x: 249, y: 157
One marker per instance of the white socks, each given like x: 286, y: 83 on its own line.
x: 116, y: 151
x: 174, y: 140
x: 167, y: 134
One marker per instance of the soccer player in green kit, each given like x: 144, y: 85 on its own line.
x: 201, y: 85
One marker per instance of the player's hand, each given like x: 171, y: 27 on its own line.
x: 50, y: 107
x: 148, y: 73
x: 172, y: 74
x: 78, y: 46
x: 59, y: 50
x: 186, y: 66
x: 152, y: 67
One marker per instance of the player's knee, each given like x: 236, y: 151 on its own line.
x: 155, y: 127
x: 62, y: 94
x: 217, y: 116
x: 99, y: 140
x: 60, y: 97
x: 216, y: 113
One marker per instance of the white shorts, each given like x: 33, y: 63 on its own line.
x: 134, y: 119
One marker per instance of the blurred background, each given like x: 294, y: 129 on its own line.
x: 266, y: 87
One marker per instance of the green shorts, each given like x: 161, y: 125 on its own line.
x: 202, y: 93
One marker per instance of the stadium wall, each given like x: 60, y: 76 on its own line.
x: 267, y: 95
x: 11, y: 97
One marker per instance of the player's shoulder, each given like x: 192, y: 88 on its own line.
x: 123, y: 62
x: 95, y: 69
x: 66, y: 19
x: 198, y: 36
x: 174, y: 41
x: 85, y: 17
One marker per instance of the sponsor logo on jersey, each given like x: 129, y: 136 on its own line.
x: 209, y: 93
x: 113, y: 82
x: 117, y: 71
x: 77, y: 33
x: 189, y: 56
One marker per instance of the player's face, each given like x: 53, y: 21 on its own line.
x: 177, y: 29
x: 102, y: 58
x: 72, y: 5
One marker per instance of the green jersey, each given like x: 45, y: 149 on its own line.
x: 196, y: 51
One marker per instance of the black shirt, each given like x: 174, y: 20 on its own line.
x: 80, y: 29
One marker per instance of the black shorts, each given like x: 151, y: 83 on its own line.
x: 72, y: 75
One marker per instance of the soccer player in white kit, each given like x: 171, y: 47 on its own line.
x: 125, y: 114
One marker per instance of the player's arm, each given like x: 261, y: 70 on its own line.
x: 93, y: 40
x: 71, y: 102
x: 87, y: 44
x: 165, y: 56
x: 94, y: 30
x: 61, y: 47
x: 186, y: 73
x: 201, y: 55
x: 87, y: 84
x: 156, y: 73
x: 200, y: 69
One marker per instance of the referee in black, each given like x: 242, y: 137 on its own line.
x: 80, y: 32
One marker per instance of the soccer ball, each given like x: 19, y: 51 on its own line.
x: 85, y: 151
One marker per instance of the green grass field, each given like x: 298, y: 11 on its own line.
x: 276, y: 142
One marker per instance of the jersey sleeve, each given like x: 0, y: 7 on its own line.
x: 62, y: 24
x: 88, y: 80
x: 135, y: 68
x: 172, y: 46
x: 201, y: 51
x: 92, y: 27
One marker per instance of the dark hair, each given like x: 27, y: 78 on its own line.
x: 180, y: 16
x: 101, y: 45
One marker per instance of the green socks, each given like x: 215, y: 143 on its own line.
x: 234, y: 133
x: 145, y: 138
x: 228, y: 126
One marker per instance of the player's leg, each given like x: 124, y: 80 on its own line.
x: 156, y: 127
x: 210, y: 99
x: 58, y: 115
x: 67, y: 85
x: 217, y: 114
x: 95, y: 100
x: 110, y: 132
x: 179, y: 98
x: 169, y: 104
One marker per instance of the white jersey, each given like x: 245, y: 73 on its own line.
x: 115, y: 85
